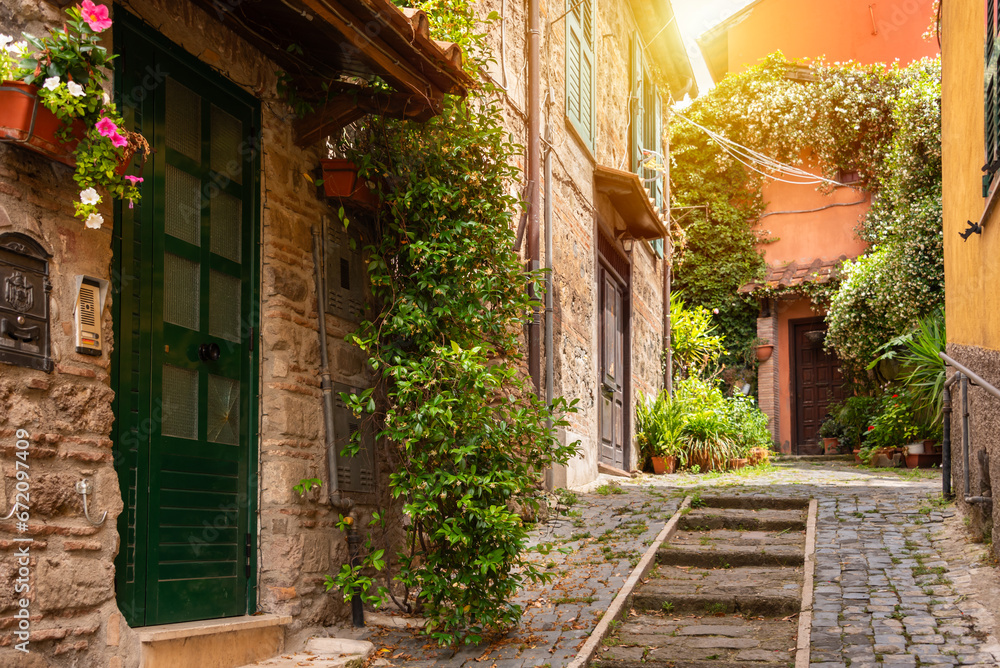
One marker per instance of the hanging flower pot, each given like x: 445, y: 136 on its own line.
x: 764, y: 352
x: 340, y: 179
x: 26, y: 122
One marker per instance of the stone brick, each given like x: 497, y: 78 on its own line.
x: 73, y: 582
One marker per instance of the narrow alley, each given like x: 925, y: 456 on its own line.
x: 896, y: 581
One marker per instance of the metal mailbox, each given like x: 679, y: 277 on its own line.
x: 24, y: 302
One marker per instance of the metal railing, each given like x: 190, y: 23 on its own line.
x: 963, y: 376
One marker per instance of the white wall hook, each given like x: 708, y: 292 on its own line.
x: 85, y: 487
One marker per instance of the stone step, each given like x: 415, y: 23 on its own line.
x: 757, y: 605
x: 753, y: 502
x: 749, y: 591
x: 742, y: 519
x: 699, y: 642
x: 323, y: 653
x: 727, y: 555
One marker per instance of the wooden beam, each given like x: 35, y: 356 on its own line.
x: 349, y: 103
x: 375, y: 51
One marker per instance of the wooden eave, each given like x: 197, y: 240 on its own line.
x: 632, y: 202
x: 323, y: 43
x: 662, y: 37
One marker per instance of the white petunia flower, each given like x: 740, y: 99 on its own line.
x: 75, y: 89
x: 107, y: 99
x: 90, y: 196
x: 94, y: 221
x: 51, y: 83
x: 5, y: 40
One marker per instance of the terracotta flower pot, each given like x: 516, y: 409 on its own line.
x: 758, y: 455
x: 764, y: 352
x: 340, y: 179
x: 830, y: 446
x: 857, y: 455
x: 659, y: 466
x: 26, y: 122
x: 739, y: 463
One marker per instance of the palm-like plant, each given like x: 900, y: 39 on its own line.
x: 922, y: 371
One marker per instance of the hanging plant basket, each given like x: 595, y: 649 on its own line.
x: 340, y: 179
x: 25, y: 121
x: 764, y: 352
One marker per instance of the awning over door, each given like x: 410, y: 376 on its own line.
x: 331, y: 48
x: 632, y: 202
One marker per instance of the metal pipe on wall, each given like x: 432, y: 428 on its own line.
x: 668, y: 252
x: 549, y: 283
x: 534, y: 164
x: 964, y: 385
x: 946, y: 443
x: 326, y: 382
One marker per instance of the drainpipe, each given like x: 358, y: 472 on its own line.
x: 946, y: 444
x: 964, y: 385
x: 549, y: 346
x: 326, y: 384
x: 668, y: 253
x: 534, y: 148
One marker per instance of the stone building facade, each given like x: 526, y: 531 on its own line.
x: 586, y: 207
x: 969, y: 125
x: 128, y: 592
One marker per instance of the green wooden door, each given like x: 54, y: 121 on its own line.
x: 185, y: 365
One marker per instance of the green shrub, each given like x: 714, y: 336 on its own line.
x: 693, y: 339
x: 700, y: 425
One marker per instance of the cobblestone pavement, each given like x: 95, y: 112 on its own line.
x: 896, y: 584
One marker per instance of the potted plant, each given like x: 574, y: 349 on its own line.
x: 764, y: 349
x: 52, y: 101
x: 340, y: 179
x: 659, y: 425
x: 831, y: 431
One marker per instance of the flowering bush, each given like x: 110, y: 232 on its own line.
x: 69, y: 66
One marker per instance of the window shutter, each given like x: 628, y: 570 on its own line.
x: 991, y: 103
x: 345, y: 273
x: 354, y: 474
x: 580, y: 68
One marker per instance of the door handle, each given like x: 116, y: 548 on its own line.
x: 209, y: 352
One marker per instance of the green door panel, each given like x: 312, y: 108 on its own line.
x: 186, y: 370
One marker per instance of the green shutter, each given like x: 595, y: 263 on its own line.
x: 580, y: 68
x: 991, y: 103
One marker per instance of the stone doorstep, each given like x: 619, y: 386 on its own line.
x: 323, y: 653
x: 163, y: 632
x: 214, y: 643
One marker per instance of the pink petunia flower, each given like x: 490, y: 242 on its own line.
x: 96, y: 16
x: 133, y: 179
x: 106, y: 127
x: 118, y: 141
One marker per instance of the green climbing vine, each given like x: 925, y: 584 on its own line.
x: 882, y: 121
x: 466, y: 439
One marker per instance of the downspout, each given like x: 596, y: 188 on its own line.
x: 337, y: 500
x: 668, y: 254
x: 326, y: 384
x: 534, y: 148
x: 946, y: 443
x: 549, y: 283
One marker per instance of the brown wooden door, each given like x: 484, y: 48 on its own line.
x: 613, y: 371
x: 818, y: 384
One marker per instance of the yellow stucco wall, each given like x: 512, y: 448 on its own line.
x: 972, y: 268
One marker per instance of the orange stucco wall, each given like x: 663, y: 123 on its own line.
x: 788, y: 310
x: 971, y: 270
x: 825, y: 234
x: 839, y: 30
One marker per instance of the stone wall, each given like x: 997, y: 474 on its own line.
x: 984, y: 437
x: 74, y: 617
x: 574, y: 211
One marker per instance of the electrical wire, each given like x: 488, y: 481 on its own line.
x: 746, y: 155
